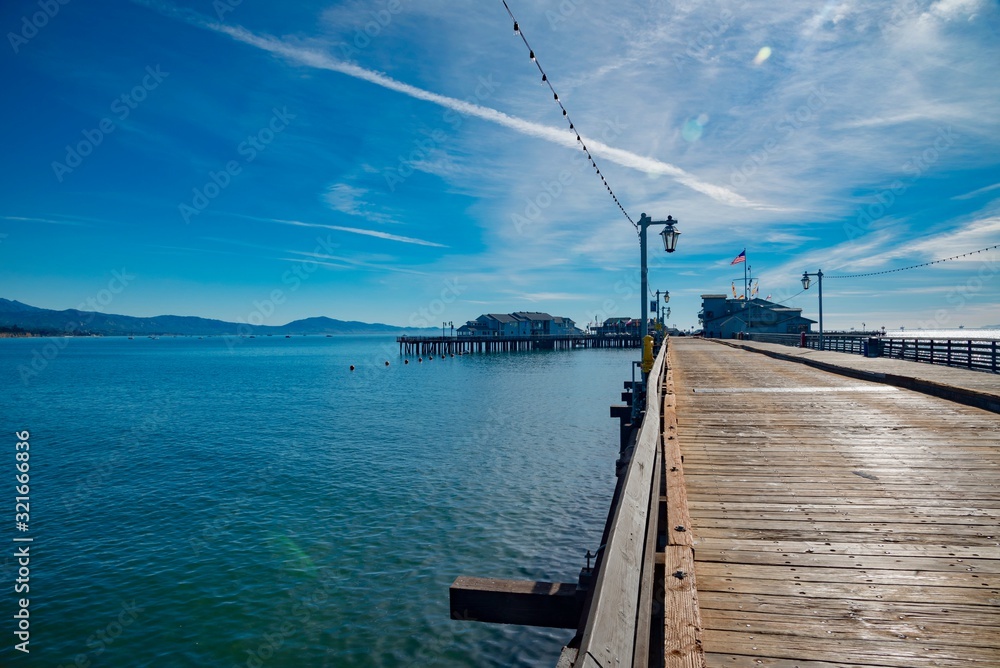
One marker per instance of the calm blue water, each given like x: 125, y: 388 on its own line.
x: 196, y: 505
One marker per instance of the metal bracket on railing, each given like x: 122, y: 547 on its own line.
x: 638, y: 392
x: 587, y: 573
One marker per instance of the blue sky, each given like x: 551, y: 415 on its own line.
x: 400, y: 161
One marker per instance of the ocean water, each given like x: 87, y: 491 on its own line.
x: 199, y: 504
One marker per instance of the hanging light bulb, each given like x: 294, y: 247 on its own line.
x: 517, y: 30
x: 531, y: 54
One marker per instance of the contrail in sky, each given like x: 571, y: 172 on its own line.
x: 321, y: 60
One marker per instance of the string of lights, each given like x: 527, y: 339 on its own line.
x: 788, y: 299
x: 565, y: 113
x: 915, y: 266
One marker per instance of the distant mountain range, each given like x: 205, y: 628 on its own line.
x: 14, y: 314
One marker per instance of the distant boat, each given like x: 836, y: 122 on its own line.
x: 252, y: 336
x: 288, y: 336
x: 329, y: 336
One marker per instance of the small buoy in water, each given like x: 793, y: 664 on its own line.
x: 420, y: 359
x: 406, y: 361
x: 387, y: 362
x: 430, y: 357
x: 453, y: 354
x: 352, y: 367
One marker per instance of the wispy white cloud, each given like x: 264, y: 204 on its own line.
x: 371, y: 233
x: 311, y: 57
x: 345, y: 198
x: 535, y: 297
x: 342, y: 261
x: 48, y: 221
x: 975, y: 193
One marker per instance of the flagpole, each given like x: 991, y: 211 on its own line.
x: 746, y: 301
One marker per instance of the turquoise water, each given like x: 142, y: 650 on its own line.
x: 198, y: 504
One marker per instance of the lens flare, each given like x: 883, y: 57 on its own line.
x: 762, y: 55
x: 694, y: 127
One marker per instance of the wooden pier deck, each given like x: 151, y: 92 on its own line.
x: 835, y: 521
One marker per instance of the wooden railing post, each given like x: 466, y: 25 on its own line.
x: 621, y: 598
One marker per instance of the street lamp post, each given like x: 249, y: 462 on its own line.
x: 669, y: 235
x: 805, y: 286
x: 666, y: 299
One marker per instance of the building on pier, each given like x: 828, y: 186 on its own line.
x: 618, y: 327
x: 725, y: 318
x: 519, y: 324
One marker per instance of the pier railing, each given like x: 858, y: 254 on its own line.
x: 618, y: 606
x: 617, y: 623
x: 980, y: 355
x: 976, y: 354
x: 466, y: 344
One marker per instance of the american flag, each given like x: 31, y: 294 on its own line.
x: 742, y: 257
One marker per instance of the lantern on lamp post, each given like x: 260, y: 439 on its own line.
x: 805, y: 286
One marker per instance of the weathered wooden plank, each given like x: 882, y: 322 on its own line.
x: 678, y: 518
x: 985, y: 530
x: 682, y: 632
x: 567, y: 658
x: 805, y: 534
x: 749, y: 605
x: 551, y: 604
x: 859, y: 548
x: 642, y: 649
x: 853, y: 626
x: 902, y: 653
x: 894, y: 562
x: 717, y: 660
x: 610, y: 631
